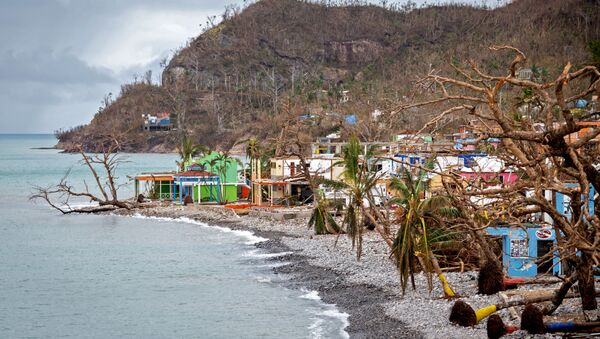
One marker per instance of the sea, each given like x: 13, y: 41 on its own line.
x: 104, y: 276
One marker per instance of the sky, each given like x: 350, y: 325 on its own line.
x: 59, y: 58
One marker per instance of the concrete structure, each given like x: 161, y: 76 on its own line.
x: 522, y: 245
x: 487, y: 171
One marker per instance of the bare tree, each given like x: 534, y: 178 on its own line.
x: 550, y: 152
x: 102, y: 166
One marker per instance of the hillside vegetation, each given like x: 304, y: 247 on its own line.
x: 237, y: 78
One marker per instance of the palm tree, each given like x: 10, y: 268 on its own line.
x: 358, y: 181
x: 418, y: 218
x: 220, y: 164
x: 187, y: 150
x: 253, y: 151
x: 321, y: 219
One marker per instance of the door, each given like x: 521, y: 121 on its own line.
x: 543, y: 248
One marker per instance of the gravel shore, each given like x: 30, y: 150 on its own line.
x: 368, y: 289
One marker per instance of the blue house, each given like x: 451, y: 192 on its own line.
x: 562, y: 202
x: 522, y: 245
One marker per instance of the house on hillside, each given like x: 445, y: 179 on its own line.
x: 157, y: 122
x: 587, y: 127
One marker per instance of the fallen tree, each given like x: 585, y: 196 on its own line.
x: 102, y: 167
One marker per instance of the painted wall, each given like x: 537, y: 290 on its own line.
x: 507, y: 177
x: 520, y: 249
x: 562, y: 202
x: 230, y: 176
x: 229, y: 195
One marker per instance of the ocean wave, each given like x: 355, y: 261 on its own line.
x: 252, y: 238
x: 342, y: 316
x: 311, y: 295
x: 258, y: 254
x: 316, y: 328
x: 263, y: 280
x: 274, y: 264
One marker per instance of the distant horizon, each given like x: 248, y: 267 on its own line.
x: 26, y: 133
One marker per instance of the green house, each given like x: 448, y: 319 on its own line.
x: 227, y: 171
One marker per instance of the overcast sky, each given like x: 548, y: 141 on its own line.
x: 58, y: 58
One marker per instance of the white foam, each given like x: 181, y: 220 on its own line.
x: 252, y: 239
x: 311, y: 295
x: 274, y: 264
x: 257, y: 254
x: 264, y: 280
x: 316, y: 328
x: 336, y: 314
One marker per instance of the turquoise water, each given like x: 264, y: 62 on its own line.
x: 87, y: 276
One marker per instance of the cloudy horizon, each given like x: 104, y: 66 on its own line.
x: 59, y: 58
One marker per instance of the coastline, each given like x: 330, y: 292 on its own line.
x: 368, y: 290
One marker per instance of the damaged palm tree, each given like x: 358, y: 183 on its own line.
x: 321, y: 219
x: 417, y: 217
x: 187, y: 150
x: 102, y: 166
x: 358, y: 180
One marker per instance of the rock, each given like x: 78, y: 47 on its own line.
x: 188, y: 200
x: 352, y: 52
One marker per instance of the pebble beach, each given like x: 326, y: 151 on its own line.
x: 368, y: 290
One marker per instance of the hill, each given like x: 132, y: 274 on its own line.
x: 233, y: 81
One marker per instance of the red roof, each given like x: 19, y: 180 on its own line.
x: 195, y: 174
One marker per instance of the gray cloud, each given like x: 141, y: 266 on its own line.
x: 49, y: 66
x: 58, y: 58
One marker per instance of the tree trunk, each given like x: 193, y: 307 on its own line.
x: 448, y: 292
x: 586, y: 283
x: 560, y: 294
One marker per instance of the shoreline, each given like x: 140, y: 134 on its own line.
x: 368, y: 290
x: 363, y: 302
